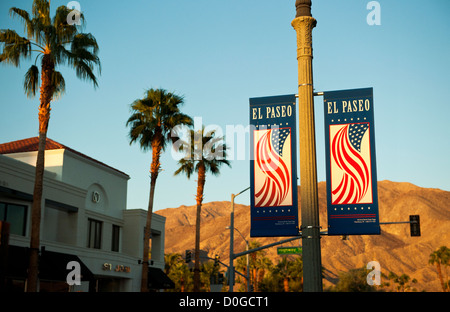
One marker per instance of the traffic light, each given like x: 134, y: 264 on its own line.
x: 188, y: 256
x: 220, y: 278
x: 414, y: 225
x: 216, y: 261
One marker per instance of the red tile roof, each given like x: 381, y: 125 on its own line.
x: 32, y: 144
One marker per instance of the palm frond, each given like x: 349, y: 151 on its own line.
x: 186, y: 167
x: 64, y: 13
x: 31, y: 82
x: 84, y: 70
x: 81, y: 58
x: 206, y: 149
x: 14, y: 48
x: 59, y: 84
x: 153, y: 118
x: 64, y: 32
x: 51, y: 37
x: 37, y: 32
x: 25, y: 17
x: 84, y: 41
x: 41, y: 11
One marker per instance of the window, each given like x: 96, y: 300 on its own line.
x: 16, y: 215
x: 115, y: 238
x: 95, y: 234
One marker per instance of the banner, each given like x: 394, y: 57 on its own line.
x: 273, y: 167
x: 352, y: 199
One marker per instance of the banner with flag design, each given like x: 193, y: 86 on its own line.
x: 352, y: 201
x: 273, y: 174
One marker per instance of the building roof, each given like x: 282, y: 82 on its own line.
x: 32, y: 144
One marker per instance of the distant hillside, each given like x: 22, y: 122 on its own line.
x: 394, y: 249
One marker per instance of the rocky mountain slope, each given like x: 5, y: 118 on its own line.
x: 394, y: 249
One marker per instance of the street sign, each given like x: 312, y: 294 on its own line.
x: 352, y: 199
x: 289, y: 250
x: 273, y: 167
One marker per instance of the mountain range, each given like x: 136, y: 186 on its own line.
x: 394, y: 248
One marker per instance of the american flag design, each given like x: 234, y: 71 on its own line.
x: 273, y: 167
x: 351, y: 180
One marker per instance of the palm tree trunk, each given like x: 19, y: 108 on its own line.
x: 200, y: 188
x: 286, y: 284
x: 261, y: 273
x: 154, y: 171
x: 182, y: 284
x: 46, y: 93
x: 441, y: 279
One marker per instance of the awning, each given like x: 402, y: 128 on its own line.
x: 157, y: 279
x: 52, y: 265
x: 17, y: 262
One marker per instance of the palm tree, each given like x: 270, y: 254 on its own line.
x: 296, y: 273
x: 55, y: 42
x: 204, y: 153
x: 208, y: 270
x: 177, y: 270
x: 264, y: 265
x: 259, y: 265
x: 283, y: 269
x: 402, y: 281
x: 441, y: 257
x: 170, y: 261
x: 151, y: 124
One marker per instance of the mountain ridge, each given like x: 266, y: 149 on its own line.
x: 394, y: 249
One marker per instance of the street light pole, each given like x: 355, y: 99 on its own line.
x: 248, y: 260
x: 231, y: 270
x: 303, y: 25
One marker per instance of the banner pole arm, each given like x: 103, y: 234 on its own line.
x: 320, y: 93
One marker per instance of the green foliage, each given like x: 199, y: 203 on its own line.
x: 441, y: 258
x: 182, y: 274
x: 354, y: 280
x: 154, y: 117
x: 285, y: 275
x: 202, y: 148
x: 177, y: 270
x: 62, y: 43
x: 401, y: 283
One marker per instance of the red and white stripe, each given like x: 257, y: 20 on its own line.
x: 355, y: 179
x: 277, y: 175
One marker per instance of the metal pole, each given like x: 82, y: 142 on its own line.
x: 248, y: 260
x: 231, y: 269
x: 232, y: 256
x: 400, y: 222
x: 266, y: 246
x: 248, y: 269
x: 303, y: 25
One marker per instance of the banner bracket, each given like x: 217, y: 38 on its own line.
x: 314, y: 93
x: 310, y: 227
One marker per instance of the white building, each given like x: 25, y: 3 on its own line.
x: 84, y: 219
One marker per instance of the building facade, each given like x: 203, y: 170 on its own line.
x: 84, y: 222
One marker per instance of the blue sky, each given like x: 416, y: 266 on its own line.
x: 218, y: 54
